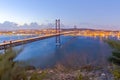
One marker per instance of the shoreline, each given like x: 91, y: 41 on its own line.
x: 85, y: 73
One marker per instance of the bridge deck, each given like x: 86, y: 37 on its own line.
x: 28, y: 40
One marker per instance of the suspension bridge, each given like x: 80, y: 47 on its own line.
x: 14, y: 43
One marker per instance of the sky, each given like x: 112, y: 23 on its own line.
x: 95, y: 14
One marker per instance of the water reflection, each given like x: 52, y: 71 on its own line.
x: 73, y: 52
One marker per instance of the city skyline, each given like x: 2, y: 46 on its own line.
x: 82, y: 13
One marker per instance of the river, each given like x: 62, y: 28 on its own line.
x: 73, y: 52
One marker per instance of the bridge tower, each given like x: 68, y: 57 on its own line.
x: 57, y: 26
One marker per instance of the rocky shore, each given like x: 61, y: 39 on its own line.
x: 61, y: 73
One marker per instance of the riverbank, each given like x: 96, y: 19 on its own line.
x: 84, y: 73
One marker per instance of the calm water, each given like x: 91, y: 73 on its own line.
x: 12, y: 37
x: 74, y: 51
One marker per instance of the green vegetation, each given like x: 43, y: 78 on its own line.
x: 115, y: 58
x: 79, y: 77
x: 11, y: 70
x: 114, y: 44
x: 38, y: 76
x: 116, y: 73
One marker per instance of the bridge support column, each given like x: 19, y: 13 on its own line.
x: 57, y: 26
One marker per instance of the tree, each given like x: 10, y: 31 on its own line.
x: 115, y: 58
x: 10, y: 70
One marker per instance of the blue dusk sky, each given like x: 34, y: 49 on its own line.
x: 95, y: 14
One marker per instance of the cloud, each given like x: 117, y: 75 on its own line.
x: 14, y: 26
x: 8, y: 25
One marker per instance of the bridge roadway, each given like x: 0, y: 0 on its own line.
x: 14, y: 43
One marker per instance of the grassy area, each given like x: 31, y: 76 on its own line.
x: 11, y: 70
x: 115, y: 58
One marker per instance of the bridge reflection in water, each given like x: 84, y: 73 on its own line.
x: 73, y: 52
x: 9, y: 44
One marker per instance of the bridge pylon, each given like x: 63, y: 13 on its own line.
x: 57, y: 27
